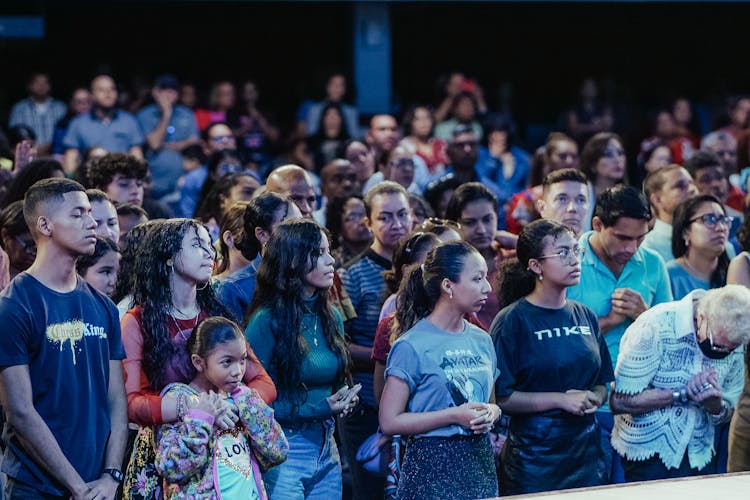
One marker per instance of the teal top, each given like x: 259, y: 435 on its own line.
x: 321, y: 367
x: 682, y: 282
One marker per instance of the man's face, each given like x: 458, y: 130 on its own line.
x: 620, y: 241
x: 383, y: 134
x: 125, y: 190
x: 168, y: 95
x: 220, y: 138
x: 339, y: 180
x: 39, y: 87
x: 726, y: 149
x: 104, y: 92
x: 301, y: 192
x: 678, y: 187
x: 464, y: 151
x: 71, y: 225
x: 565, y: 202
x: 478, y: 224
x: 712, y: 180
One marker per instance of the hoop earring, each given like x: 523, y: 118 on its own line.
x: 203, y: 287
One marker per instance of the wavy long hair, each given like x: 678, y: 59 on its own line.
x: 152, y: 291
x: 291, y: 253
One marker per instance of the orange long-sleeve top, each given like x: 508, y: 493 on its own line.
x: 144, y: 403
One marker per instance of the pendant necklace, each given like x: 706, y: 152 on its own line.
x: 315, y: 330
x: 177, y: 324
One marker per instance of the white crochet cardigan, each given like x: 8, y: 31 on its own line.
x: 659, y: 350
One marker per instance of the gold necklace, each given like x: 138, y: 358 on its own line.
x: 180, y: 330
x: 314, y: 332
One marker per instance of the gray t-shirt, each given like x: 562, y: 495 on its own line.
x: 444, y: 369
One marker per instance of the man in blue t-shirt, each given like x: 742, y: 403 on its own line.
x: 620, y: 279
x: 169, y: 128
x: 107, y: 127
x: 61, y: 383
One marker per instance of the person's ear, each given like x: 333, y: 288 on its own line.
x: 197, y: 362
x: 262, y: 235
x: 540, y: 205
x: 228, y: 239
x: 597, y: 224
x: 44, y: 225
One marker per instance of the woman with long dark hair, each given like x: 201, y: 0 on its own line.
x: 554, y: 366
x: 299, y: 338
x: 261, y: 215
x: 172, y: 295
x: 700, y: 229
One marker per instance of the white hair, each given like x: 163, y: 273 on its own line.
x: 728, y: 309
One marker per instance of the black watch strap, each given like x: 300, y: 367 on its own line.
x: 115, y: 473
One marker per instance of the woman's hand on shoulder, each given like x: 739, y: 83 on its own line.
x: 209, y: 402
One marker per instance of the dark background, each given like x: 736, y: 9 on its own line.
x: 644, y: 53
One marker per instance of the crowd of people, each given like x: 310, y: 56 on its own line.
x: 196, y: 307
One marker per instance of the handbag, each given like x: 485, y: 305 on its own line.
x: 373, y: 454
x: 142, y: 481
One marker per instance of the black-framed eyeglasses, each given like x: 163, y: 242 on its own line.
x: 566, y: 255
x: 712, y: 220
x: 28, y: 246
x: 716, y: 347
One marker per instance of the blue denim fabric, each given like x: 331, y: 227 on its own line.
x: 13, y: 490
x: 313, y: 468
x: 612, y: 463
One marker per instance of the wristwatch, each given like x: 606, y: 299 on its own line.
x: 115, y: 473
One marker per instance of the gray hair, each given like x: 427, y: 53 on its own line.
x: 709, y: 141
x: 728, y: 308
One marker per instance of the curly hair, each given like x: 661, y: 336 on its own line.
x: 291, y: 253
x: 151, y: 290
x: 130, y: 245
x: 104, y: 169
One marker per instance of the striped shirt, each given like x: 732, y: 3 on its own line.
x: 363, y: 281
x: 40, y: 119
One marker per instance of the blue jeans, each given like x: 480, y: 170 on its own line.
x: 14, y: 490
x: 612, y: 463
x: 313, y: 468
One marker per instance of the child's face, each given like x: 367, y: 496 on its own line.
x: 103, y: 274
x: 125, y: 190
x: 224, y: 365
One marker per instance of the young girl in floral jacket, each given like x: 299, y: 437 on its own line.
x: 198, y: 460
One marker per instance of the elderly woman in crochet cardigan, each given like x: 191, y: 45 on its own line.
x: 678, y: 376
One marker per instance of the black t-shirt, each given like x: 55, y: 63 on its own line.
x: 549, y: 350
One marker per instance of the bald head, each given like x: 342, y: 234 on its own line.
x: 294, y: 183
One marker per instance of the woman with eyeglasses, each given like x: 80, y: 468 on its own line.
x: 172, y: 295
x: 603, y: 161
x: 554, y: 367
x: 700, y: 228
x: 345, y: 219
x: 679, y: 375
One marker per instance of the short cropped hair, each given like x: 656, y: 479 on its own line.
x: 621, y: 201
x: 103, y: 170
x: 562, y: 175
x: 728, y: 309
x: 97, y: 195
x: 384, y: 187
x: 702, y: 159
x: 46, y: 191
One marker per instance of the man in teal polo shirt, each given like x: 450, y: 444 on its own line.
x: 619, y: 279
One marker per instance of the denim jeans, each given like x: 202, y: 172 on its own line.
x: 313, y: 468
x: 14, y: 490
x: 612, y: 463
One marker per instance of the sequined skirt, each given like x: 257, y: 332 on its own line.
x: 457, y: 467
